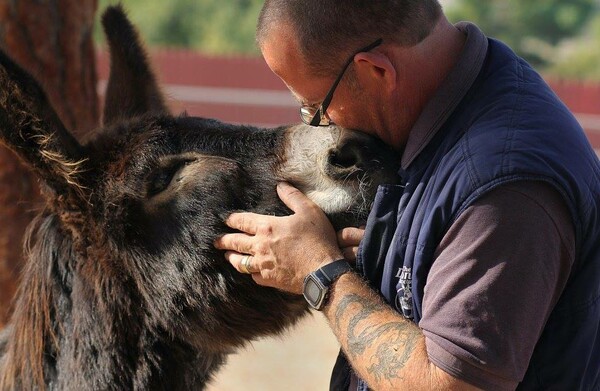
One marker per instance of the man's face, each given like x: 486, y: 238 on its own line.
x: 347, y: 109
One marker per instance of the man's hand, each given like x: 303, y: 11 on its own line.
x: 285, y: 249
x: 384, y: 348
x: 348, y: 240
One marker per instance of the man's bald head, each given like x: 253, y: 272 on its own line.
x: 328, y: 30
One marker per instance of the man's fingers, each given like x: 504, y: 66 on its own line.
x: 350, y: 236
x: 237, y: 242
x: 245, y: 222
x: 243, y: 263
x: 292, y: 197
x: 350, y: 253
x: 348, y: 240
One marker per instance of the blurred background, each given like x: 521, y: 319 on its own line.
x: 555, y: 35
x: 202, y: 44
x: 206, y: 58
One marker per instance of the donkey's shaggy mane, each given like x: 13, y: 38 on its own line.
x: 32, y: 322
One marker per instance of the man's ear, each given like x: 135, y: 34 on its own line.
x: 376, y: 67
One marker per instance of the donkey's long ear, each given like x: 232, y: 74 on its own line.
x: 31, y: 128
x: 132, y: 88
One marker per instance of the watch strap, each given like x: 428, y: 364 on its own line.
x: 334, y: 270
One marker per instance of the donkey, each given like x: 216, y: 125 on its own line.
x: 123, y: 288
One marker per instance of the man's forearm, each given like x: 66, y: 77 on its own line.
x: 386, y: 350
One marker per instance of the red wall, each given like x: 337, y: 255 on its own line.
x: 243, y: 90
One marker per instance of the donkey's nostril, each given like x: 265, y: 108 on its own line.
x: 346, y: 162
x: 343, y: 159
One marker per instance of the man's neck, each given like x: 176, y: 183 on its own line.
x: 422, y: 70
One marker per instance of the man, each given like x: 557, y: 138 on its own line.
x: 482, y: 268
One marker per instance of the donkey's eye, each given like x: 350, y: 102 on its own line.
x: 160, y: 179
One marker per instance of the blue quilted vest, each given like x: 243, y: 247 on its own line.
x: 509, y: 127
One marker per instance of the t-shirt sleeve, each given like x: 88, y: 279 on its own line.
x: 497, y: 274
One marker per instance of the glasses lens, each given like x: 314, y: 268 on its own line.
x: 307, y: 113
x: 311, y: 115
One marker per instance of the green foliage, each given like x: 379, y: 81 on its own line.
x: 557, y: 36
x: 211, y: 26
x: 529, y: 27
x: 579, y: 58
x: 553, y: 35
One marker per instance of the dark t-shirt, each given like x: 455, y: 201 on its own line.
x: 497, y: 274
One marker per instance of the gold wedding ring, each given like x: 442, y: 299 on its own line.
x: 245, y: 263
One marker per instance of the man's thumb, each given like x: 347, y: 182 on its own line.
x: 292, y: 197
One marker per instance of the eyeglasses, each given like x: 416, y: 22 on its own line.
x: 314, y: 115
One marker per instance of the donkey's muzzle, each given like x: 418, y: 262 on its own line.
x: 356, y: 154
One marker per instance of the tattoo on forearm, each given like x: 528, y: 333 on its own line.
x: 395, y: 341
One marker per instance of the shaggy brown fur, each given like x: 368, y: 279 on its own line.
x: 52, y: 39
x: 123, y: 288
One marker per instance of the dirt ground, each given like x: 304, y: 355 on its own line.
x: 300, y: 360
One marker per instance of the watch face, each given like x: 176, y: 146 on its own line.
x: 313, y: 292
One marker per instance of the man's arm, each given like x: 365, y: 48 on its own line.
x: 387, y: 350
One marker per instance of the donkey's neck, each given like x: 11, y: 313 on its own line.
x: 80, y: 324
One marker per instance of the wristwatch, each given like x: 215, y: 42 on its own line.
x: 317, y: 283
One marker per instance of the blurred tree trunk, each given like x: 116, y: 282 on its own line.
x: 52, y: 39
